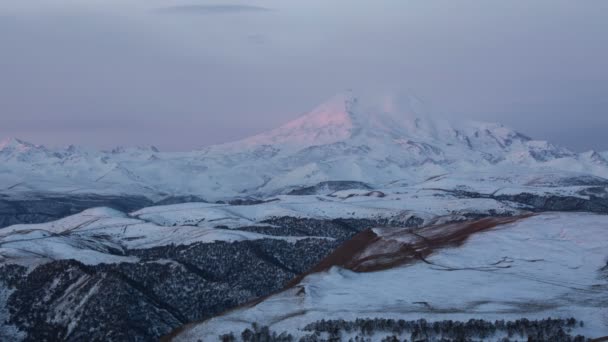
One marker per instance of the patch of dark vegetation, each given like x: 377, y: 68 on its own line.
x: 180, y: 199
x: 250, y: 201
x: 328, y: 187
x: 391, y: 330
x: 67, y: 300
x: 593, y: 199
x: 247, y: 201
x: 375, y: 193
x: 604, y: 271
x: 595, y: 191
x: 594, y: 203
x: 341, y: 229
x: 583, y: 180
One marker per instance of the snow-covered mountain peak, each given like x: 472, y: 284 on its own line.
x: 395, y: 116
x: 595, y: 157
x: 13, y: 148
x: 346, y: 116
x: 15, y: 145
x: 327, y: 123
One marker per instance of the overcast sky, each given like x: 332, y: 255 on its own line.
x: 181, y: 74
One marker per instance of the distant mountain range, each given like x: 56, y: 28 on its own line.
x: 376, y: 141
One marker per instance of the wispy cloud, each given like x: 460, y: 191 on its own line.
x: 212, y: 9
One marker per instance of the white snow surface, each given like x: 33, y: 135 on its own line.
x: 99, y: 235
x: 95, y: 235
x: 549, y: 265
x: 376, y: 140
x: 394, y: 206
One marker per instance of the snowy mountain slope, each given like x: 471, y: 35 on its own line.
x: 448, y: 197
x: 375, y: 140
x: 103, y: 235
x: 397, y: 208
x: 101, y: 275
x: 550, y: 265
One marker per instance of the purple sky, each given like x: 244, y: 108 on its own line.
x: 184, y: 74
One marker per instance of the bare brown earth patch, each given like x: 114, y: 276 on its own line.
x: 369, y: 252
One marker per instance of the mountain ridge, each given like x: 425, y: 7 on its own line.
x: 375, y: 140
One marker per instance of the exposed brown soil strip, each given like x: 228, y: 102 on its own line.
x: 369, y: 252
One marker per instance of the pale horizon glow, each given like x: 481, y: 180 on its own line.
x: 186, y: 74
